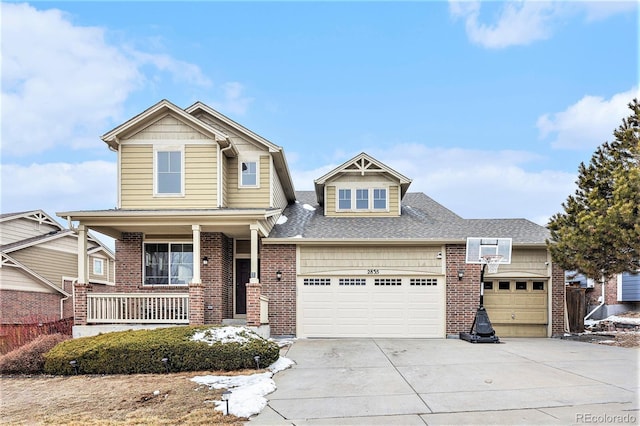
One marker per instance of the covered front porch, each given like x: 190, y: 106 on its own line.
x: 174, y: 268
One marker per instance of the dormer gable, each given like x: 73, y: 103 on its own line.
x: 362, y: 186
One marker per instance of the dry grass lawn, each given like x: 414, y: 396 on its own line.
x: 111, y: 400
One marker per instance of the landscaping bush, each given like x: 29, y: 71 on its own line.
x: 29, y: 359
x: 142, y: 351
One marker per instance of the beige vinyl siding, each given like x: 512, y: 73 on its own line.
x: 12, y: 278
x: 526, y: 263
x: 393, y: 199
x: 22, y: 228
x: 358, y: 260
x: 67, y: 244
x: 107, y: 266
x: 279, y: 198
x: 51, y: 264
x: 249, y: 197
x: 168, y: 128
x: 137, y: 178
x: 225, y: 181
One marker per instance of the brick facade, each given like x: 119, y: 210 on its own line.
x: 462, y: 295
x: 28, y: 307
x: 282, y: 294
x: 217, y: 276
x: 557, y: 300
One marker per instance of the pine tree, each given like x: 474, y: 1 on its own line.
x: 598, y: 234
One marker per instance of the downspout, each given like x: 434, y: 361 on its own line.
x: 73, y: 289
x: 604, y: 284
x: 220, y: 155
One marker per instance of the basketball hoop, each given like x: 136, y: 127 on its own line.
x: 492, y: 261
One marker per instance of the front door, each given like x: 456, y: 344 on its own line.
x: 243, y: 273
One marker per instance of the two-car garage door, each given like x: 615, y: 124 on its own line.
x: 371, y: 306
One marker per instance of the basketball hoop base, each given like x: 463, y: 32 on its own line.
x: 481, y: 330
x: 475, y: 338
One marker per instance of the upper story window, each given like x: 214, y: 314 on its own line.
x: 98, y: 267
x: 249, y: 173
x: 362, y: 199
x: 168, y: 263
x: 169, y: 172
x: 344, y: 199
x: 380, y: 199
x: 365, y: 199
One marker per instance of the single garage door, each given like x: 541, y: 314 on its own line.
x: 517, y: 308
x: 371, y: 306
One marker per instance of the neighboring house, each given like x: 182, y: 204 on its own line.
x: 39, y: 265
x: 621, y: 293
x: 209, y: 230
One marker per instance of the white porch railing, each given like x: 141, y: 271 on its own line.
x: 139, y: 308
x: 264, y: 309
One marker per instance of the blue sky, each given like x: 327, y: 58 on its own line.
x: 489, y: 107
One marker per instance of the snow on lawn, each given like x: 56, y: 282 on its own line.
x: 248, y: 391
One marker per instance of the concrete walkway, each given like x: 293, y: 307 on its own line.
x: 418, y: 382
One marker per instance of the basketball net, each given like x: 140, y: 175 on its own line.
x: 492, y: 261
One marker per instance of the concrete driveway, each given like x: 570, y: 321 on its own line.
x: 418, y: 382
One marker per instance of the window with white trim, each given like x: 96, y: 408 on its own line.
x: 169, y: 172
x: 168, y: 263
x: 344, y: 199
x: 249, y: 173
x: 362, y: 199
x: 379, y: 199
x: 98, y: 266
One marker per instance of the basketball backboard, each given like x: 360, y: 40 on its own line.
x: 477, y: 247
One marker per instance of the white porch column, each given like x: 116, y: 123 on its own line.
x: 254, y: 254
x: 196, y: 254
x: 83, y: 258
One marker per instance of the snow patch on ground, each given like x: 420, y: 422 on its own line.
x: 226, y: 334
x: 247, y: 392
x: 308, y: 207
x: 622, y: 320
x: 282, y: 220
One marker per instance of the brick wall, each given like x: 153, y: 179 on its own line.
x: 557, y: 300
x: 282, y: 294
x: 129, y: 262
x: 27, y: 307
x: 463, y: 296
x: 610, y: 292
x: 217, y: 276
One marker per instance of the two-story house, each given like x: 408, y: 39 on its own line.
x: 39, y: 266
x: 209, y: 230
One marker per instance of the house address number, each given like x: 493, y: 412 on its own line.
x: 373, y: 271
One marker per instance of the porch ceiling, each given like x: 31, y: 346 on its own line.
x: 232, y: 222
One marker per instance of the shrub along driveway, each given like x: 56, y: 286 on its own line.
x: 406, y: 381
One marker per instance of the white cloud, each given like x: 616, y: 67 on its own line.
x: 588, y: 123
x: 233, y: 100
x: 473, y: 183
x: 519, y: 23
x: 524, y: 22
x: 62, y: 84
x: 59, y: 186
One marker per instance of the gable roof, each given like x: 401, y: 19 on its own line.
x: 154, y: 113
x: 277, y: 152
x: 361, y: 163
x: 8, y: 261
x: 422, y: 220
x: 38, y: 215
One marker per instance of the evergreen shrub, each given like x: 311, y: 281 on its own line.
x: 142, y: 351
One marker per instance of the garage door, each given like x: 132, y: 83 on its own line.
x: 517, y: 308
x: 365, y: 306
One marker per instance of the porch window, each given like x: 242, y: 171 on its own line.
x: 168, y: 263
x: 169, y: 172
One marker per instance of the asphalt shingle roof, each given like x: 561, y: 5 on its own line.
x: 422, y: 218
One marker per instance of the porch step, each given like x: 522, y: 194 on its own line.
x: 234, y: 321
